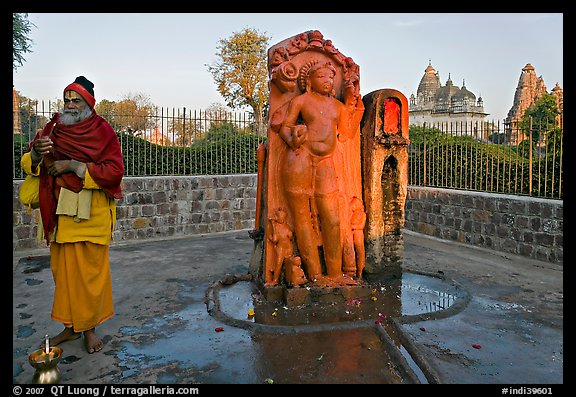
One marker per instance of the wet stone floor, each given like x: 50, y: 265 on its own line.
x: 340, y: 337
x: 233, y: 334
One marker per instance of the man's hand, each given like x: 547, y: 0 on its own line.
x: 42, y: 146
x: 59, y: 167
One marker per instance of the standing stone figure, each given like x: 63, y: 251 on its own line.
x: 280, y: 235
x: 313, y: 157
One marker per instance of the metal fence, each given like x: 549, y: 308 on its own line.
x: 481, y: 156
x: 167, y: 141
x: 489, y: 157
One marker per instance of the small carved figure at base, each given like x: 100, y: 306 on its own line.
x: 349, y: 259
x: 281, y: 238
x: 294, y: 273
x: 358, y: 221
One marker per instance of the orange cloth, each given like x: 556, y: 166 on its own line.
x: 83, y: 284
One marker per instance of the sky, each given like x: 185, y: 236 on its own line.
x: 164, y: 56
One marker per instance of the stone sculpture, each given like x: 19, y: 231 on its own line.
x: 312, y: 164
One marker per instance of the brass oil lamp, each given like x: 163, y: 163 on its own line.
x: 45, y: 360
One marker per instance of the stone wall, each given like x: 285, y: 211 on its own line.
x: 527, y: 226
x: 170, y: 207
x: 164, y: 207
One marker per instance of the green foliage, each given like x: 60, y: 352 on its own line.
x: 20, y: 146
x: 541, y: 117
x: 236, y: 152
x: 464, y: 163
x: 21, y: 43
x: 419, y: 134
x: 131, y: 115
x: 30, y: 122
x: 220, y: 131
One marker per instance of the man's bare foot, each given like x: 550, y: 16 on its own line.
x: 64, y: 336
x: 92, y: 342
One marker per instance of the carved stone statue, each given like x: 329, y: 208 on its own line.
x: 312, y: 165
x: 280, y: 235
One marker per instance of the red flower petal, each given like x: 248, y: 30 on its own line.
x: 476, y: 346
x: 219, y: 329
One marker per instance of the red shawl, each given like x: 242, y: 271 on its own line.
x: 93, y: 142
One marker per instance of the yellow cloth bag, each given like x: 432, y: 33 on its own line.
x: 30, y: 191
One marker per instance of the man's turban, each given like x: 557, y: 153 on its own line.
x: 85, y: 88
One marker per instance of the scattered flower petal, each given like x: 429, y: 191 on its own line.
x: 422, y: 329
x: 378, y: 322
x: 476, y: 346
x: 219, y: 329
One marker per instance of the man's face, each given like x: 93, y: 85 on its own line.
x: 74, y: 108
x: 74, y: 101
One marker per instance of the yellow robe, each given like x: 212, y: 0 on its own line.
x: 79, y: 260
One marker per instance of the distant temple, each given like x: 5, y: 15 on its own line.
x: 435, y: 104
x: 158, y: 138
x: 529, y: 90
x: 15, y: 112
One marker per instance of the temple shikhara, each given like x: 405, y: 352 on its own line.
x: 529, y: 90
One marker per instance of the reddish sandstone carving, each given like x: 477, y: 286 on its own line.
x: 313, y: 163
x: 280, y: 235
x: 385, y: 140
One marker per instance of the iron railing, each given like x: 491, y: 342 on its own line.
x: 489, y: 157
x: 479, y: 156
x: 167, y: 141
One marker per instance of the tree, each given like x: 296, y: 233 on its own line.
x: 543, y: 115
x: 21, y: 43
x: 30, y: 120
x: 185, y: 128
x: 106, y: 108
x: 217, y: 112
x: 241, y: 73
x: 133, y: 114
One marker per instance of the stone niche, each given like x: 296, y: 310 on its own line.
x: 385, y: 130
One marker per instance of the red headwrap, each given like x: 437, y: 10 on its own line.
x: 89, y: 98
x: 91, y: 141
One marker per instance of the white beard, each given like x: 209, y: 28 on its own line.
x: 68, y: 117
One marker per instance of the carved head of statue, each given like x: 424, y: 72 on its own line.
x: 308, y: 71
